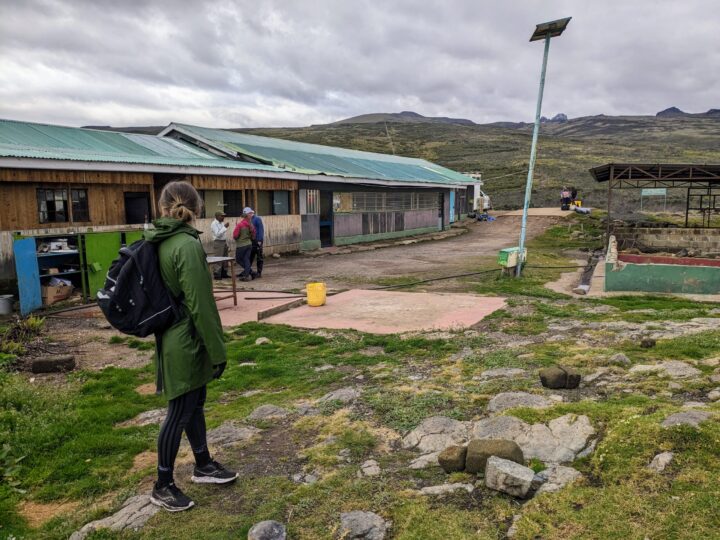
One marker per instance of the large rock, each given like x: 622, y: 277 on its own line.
x: 131, y: 517
x: 556, y: 477
x: 267, y: 530
x: 480, y: 450
x: 343, y: 395
x: 686, y: 418
x: 435, y: 434
x: 452, y: 459
x: 559, y: 377
x: 229, y: 433
x: 268, y: 412
x: 509, y: 477
x: 500, y: 373
x: 425, y: 461
x: 670, y: 368
x: 53, y: 364
x: 557, y: 442
x: 511, y: 400
x: 362, y: 526
x: 661, y: 461
x: 498, y: 427
x: 444, y: 489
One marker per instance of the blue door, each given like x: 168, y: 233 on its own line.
x: 452, y: 206
x: 28, y: 275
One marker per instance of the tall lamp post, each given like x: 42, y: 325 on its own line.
x: 542, y: 31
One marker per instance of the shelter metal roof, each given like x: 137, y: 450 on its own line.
x: 644, y: 175
x: 44, y: 141
x: 315, y: 159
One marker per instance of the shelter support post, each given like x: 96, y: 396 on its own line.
x: 609, y: 204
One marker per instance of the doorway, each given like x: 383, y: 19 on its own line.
x: 137, y: 207
x: 326, y: 218
x: 441, y: 211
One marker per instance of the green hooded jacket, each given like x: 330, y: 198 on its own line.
x: 188, y: 350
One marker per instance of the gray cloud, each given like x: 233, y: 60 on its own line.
x: 282, y: 63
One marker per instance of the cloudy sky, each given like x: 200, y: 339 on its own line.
x: 247, y: 63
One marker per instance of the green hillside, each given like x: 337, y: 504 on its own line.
x: 566, y: 150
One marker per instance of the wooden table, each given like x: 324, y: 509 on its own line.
x: 218, y: 260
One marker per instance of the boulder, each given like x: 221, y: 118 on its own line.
x: 228, y: 434
x: 714, y: 395
x: 559, y: 377
x: 498, y: 427
x: 647, y: 343
x: 435, y: 434
x: 507, y: 476
x: 452, y: 459
x: 686, y: 418
x: 53, y: 364
x: 556, y: 477
x: 343, y: 395
x: 619, y: 359
x: 268, y: 412
x: 267, y: 530
x: 511, y: 400
x: 362, y: 526
x: 479, y: 450
x: 557, y: 442
x: 661, y: 461
x: 133, y: 515
x: 444, y: 489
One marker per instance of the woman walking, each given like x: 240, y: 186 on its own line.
x: 191, y: 352
x: 244, y: 234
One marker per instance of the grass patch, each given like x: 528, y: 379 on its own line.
x: 403, y: 411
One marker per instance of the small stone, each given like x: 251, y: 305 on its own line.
x: 267, y: 530
x: 500, y: 373
x: 268, y: 412
x: 671, y: 368
x: 452, y: 459
x: 513, y: 530
x: 619, y: 359
x: 694, y: 405
x: 263, y: 341
x: 661, y: 461
x: 343, y: 395
x: 647, y: 343
x: 672, y: 385
x: 511, y: 400
x: 686, y: 418
x: 305, y: 478
x: 325, y: 367
x: 711, y: 362
x: 362, y: 526
x: 370, y: 468
x: 714, y: 395
x: 444, y: 489
x: 276, y: 255
x: 247, y: 364
x: 479, y: 450
x: 507, y: 476
x: 251, y: 393
x: 557, y: 477
x: 715, y: 378
x: 424, y: 461
x: 147, y: 418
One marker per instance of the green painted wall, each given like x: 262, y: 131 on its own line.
x: 309, y: 245
x: 345, y: 240
x: 668, y: 278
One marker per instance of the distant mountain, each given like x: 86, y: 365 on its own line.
x: 404, y: 117
x: 674, y: 112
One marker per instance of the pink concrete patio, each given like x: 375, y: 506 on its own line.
x: 386, y: 312
x: 249, y: 304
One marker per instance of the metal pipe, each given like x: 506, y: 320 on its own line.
x: 533, y: 154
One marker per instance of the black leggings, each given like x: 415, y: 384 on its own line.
x: 184, y: 413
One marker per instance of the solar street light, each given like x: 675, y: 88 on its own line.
x: 544, y: 31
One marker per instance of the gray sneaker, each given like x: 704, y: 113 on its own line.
x: 213, y: 473
x: 170, y: 498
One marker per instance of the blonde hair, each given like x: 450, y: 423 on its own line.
x: 179, y: 200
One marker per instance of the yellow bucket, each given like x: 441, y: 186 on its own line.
x: 316, y: 294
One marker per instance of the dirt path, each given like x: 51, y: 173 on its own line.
x: 423, y: 260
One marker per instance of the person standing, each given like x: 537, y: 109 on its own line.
x: 257, y: 244
x: 191, y: 353
x: 220, y: 248
x: 243, y: 235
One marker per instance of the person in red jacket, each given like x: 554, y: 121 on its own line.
x: 244, y: 234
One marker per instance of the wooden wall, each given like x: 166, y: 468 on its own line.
x: 74, y: 177
x: 235, y: 183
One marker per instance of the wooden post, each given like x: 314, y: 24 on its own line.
x: 609, y: 202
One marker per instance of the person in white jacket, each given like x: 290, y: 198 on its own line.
x: 220, y: 248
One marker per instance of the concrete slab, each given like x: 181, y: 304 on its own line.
x: 249, y: 304
x: 390, y: 312
x: 539, y: 212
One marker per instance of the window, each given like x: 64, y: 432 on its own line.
x: 52, y: 205
x: 233, y: 202
x: 80, y: 209
x: 369, y: 201
x: 281, y: 203
x: 313, y: 201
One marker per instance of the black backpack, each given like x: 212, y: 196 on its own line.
x: 135, y: 299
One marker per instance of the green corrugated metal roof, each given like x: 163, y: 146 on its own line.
x: 329, y: 160
x: 43, y: 141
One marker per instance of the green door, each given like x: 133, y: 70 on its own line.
x: 132, y: 237
x: 101, y: 249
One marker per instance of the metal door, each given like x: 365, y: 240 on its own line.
x: 101, y: 249
x: 28, y: 275
x: 452, y: 206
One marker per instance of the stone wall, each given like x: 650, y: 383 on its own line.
x: 706, y: 240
